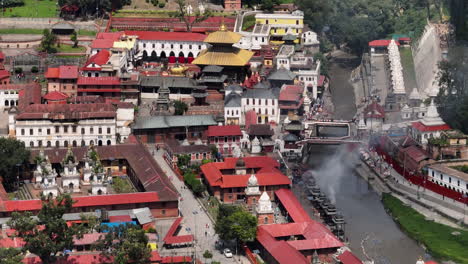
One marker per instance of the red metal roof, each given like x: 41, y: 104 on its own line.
x: 52, y: 73
x: 172, y: 238
x: 168, y: 36
x: 176, y: 259
x: 85, y: 258
x: 381, y: 43
x: 120, y: 218
x: 349, y: 258
x: 55, y: 96
x: 88, y: 239
x: 82, y: 80
x: 290, y: 93
x: 67, y: 111
x: 98, y: 90
x: 102, y: 44
x: 415, y: 153
x: 2, y: 56
x: 87, y: 201
x: 30, y: 93
x: 62, y: 72
x: 374, y: 110
x: 99, y: 58
x: 264, y: 179
x: 292, y: 205
x: 109, y: 35
x: 4, y: 74
x: 423, y: 128
x: 221, y: 131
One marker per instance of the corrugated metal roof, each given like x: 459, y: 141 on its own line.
x: 259, y: 93
x: 282, y: 74
x: 154, y: 122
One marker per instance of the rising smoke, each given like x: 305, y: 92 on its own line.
x: 334, y: 169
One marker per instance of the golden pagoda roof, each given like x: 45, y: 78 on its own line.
x: 223, y: 36
x: 227, y: 57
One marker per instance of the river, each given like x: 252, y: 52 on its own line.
x: 361, y: 206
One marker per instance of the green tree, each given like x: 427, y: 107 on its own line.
x: 234, y: 222
x: 207, y: 254
x: 125, y: 244
x: 48, y: 41
x: 180, y: 107
x: 13, y: 156
x: 183, y: 161
x: 74, y: 38
x: 56, y: 236
x: 121, y: 186
x: 268, y: 5
x: 190, y: 19
x: 10, y: 256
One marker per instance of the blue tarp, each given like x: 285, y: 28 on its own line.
x: 105, y: 227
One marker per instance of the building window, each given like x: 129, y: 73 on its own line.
x: 57, y: 144
x: 48, y: 131
x: 225, y: 139
x: 450, y: 180
x: 22, y: 132
x: 82, y: 131
x: 163, y: 211
x: 199, y: 46
x: 31, y: 144
x: 441, y: 176
x: 91, y: 130
x: 100, y: 130
x: 153, y: 45
x: 458, y: 183
x: 190, y: 46
x: 144, y: 45
x: 108, y: 130
x: 172, y: 46
x: 31, y: 132
x: 74, y: 129
x: 162, y: 46
x: 180, y: 46
x: 65, y: 129
x: 40, y: 143
x: 432, y: 173
x: 247, y: 101
x: 40, y: 131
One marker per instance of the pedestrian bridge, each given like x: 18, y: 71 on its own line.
x: 338, y: 129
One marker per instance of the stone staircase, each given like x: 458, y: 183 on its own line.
x: 23, y: 193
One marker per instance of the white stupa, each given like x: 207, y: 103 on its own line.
x: 252, y: 186
x: 264, y: 205
x: 414, y: 95
x: 432, y: 117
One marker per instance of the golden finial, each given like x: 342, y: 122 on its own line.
x: 223, y: 26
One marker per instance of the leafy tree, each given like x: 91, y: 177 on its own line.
x: 190, y: 19
x: 121, y: 186
x: 10, y: 256
x: 13, y: 152
x: 183, y: 161
x: 180, y: 107
x: 233, y: 222
x: 56, y: 236
x: 207, y: 254
x: 267, y: 5
x: 34, y: 69
x: 125, y: 244
x: 48, y: 41
x: 18, y: 70
x: 74, y: 38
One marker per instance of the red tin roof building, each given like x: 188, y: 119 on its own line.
x: 310, y: 236
x: 62, y: 79
x: 229, y: 179
x: 225, y: 138
x: 55, y: 97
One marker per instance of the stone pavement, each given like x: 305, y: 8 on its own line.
x: 195, y: 218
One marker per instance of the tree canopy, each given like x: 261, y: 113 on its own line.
x: 180, y: 107
x: 94, y: 7
x: 10, y: 256
x: 190, y: 18
x: 234, y: 222
x: 13, y: 152
x: 356, y: 22
x: 48, y: 41
x: 125, y: 244
x: 55, y: 237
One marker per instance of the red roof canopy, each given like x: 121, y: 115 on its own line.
x: 381, y: 43
x: 167, y: 36
x: 109, y: 35
x: 86, y: 201
x: 423, y: 128
x: 99, y: 58
x: 4, y: 74
x: 55, y: 96
x: 172, y: 238
x: 102, y: 44
x: 292, y: 205
x: 82, y: 80
x: 62, y: 72
x: 349, y: 258
x: 221, y: 131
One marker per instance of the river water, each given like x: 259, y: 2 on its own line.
x: 332, y: 166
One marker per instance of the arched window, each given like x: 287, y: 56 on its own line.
x: 109, y: 142
x: 49, y: 144
x: 65, y: 143
x: 7, y: 103
x: 31, y: 144
x: 57, y: 144
x: 83, y: 143
x: 74, y: 143
x: 100, y: 143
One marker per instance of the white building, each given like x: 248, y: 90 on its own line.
x: 185, y: 45
x: 445, y: 175
x: 9, y: 95
x: 302, y: 64
x: 44, y: 125
x: 260, y: 36
x: 233, y: 105
x: 264, y: 103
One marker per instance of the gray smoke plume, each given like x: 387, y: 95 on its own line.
x: 334, y: 168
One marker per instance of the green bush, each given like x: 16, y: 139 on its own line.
x: 34, y: 69
x: 18, y: 70
x: 162, y: 4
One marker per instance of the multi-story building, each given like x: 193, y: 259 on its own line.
x: 260, y: 36
x: 264, y: 102
x: 182, y: 47
x: 62, y: 79
x: 62, y: 125
x: 9, y: 95
x: 282, y: 24
x: 451, y: 175
x: 225, y: 138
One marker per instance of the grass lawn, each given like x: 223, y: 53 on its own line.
x: 436, y: 237
x: 70, y: 49
x: 82, y: 32
x: 33, y: 8
x: 249, y: 21
x: 409, y: 74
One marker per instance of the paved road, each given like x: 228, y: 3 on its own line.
x: 195, y: 218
